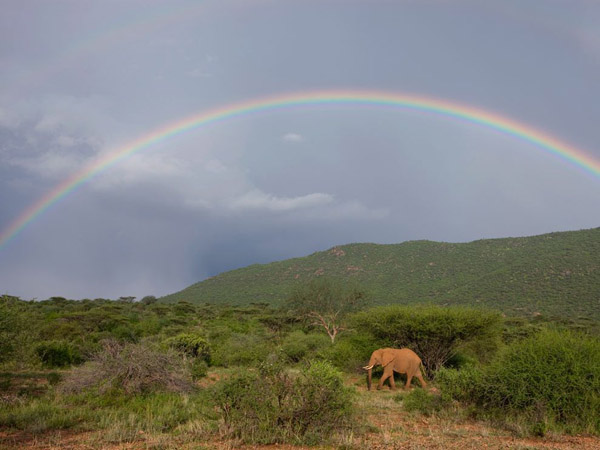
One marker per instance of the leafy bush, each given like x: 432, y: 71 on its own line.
x: 198, y: 369
x: 241, y: 350
x: 130, y: 368
x: 458, y: 384
x: 148, y: 300
x: 279, y: 406
x: 8, y: 328
x: 422, y: 401
x: 350, y: 352
x: 125, y: 333
x: 58, y: 354
x: 551, y: 380
x: 433, y: 332
x: 190, y: 344
x: 298, y: 345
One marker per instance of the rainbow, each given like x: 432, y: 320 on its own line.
x: 351, y: 98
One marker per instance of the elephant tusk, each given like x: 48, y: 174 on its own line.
x: 368, y: 367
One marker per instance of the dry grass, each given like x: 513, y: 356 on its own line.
x: 134, y: 368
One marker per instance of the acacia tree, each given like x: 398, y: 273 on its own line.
x: 326, y: 303
x: 434, y: 332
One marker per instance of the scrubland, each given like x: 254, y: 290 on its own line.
x: 124, y: 374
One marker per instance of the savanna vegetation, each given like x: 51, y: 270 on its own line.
x: 171, y: 375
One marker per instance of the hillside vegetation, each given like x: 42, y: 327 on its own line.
x: 555, y: 274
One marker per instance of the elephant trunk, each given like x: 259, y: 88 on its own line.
x: 369, y: 368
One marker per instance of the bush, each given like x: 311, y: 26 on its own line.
x: 190, y: 344
x: 241, y: 350
x: 458, y: 384
x: 550, y: 380
x: 433, y: 332
x: 125, y: 333
x: 298, y: 345
x: 130, y: 368
x: 198, y: 369
x: 350, y: 352
x: 57, y: 354
x: 279, y: 406
x: 422, y: 401
x: 12, y: 324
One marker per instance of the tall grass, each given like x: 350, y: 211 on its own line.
x: 121, y: 417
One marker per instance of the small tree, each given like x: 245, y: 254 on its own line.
x: 190, y: 344
x: 148, y: 300
x: 326, y: 304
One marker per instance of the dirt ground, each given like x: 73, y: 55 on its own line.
x: 395, y: 430
x: 404, y: 434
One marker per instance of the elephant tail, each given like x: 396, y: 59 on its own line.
x: 422, y: 369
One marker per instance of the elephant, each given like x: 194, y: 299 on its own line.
x: 402, y: 360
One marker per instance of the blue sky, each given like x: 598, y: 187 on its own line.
x: 80, y: 78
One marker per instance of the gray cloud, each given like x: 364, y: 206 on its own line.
x: 82, y: 79
x: 257, y: 200
x: 292, y: 137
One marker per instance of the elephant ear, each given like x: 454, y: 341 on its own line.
x: 387, y: 358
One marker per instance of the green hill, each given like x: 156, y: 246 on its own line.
x: 555, y: 274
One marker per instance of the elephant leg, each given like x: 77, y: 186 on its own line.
x: 408, y: 380
x: 385, y: 376
x: 392, y: 382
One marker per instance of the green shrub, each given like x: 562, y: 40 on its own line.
x: 58, y: 354
x: 458, y: 384
x: 149, y: 326
x: 549, y: 381
x: 12, y: 322
x: 460, y: 360
x: 298, y: 345
x: 198, y: 368
x: 279, y: 406
x: 125, y: 333
x: 350, y: 352
x: 148, y: 300
x: 435, y: 333
x: 241, y: 350
x: 423, y: 401
x: 190, y: 344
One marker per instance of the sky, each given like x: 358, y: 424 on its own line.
x: 81, y: 79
